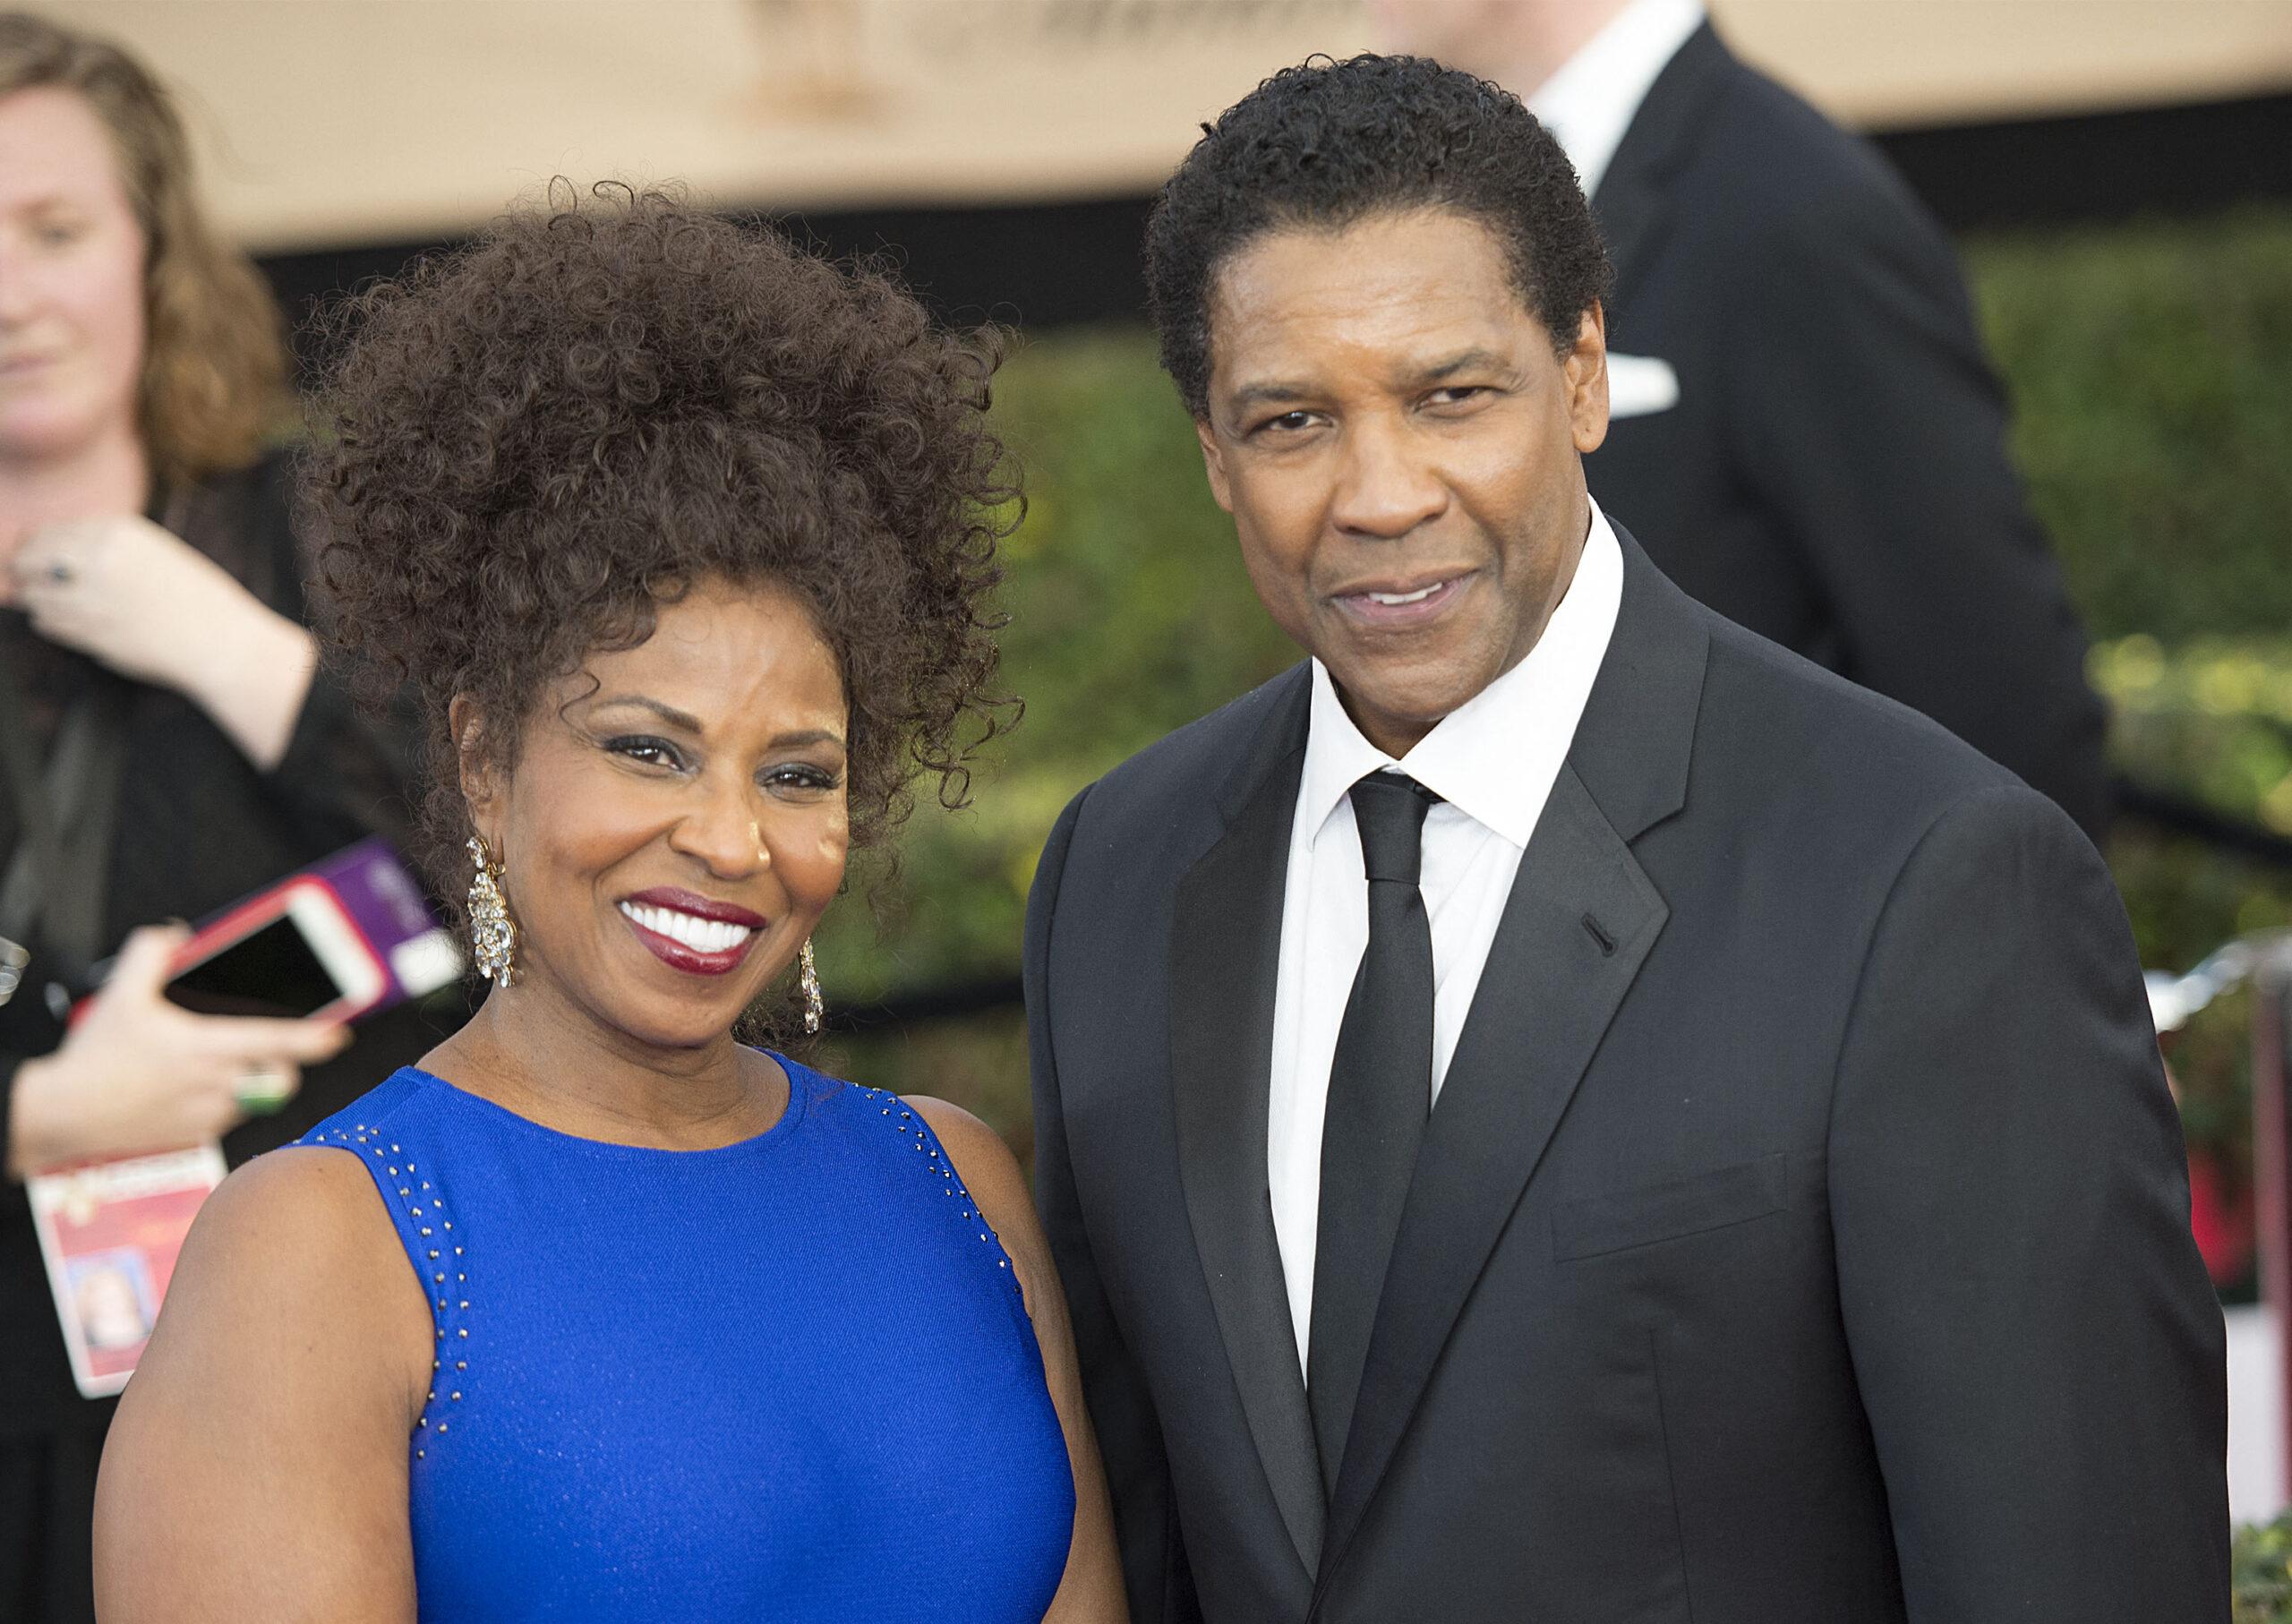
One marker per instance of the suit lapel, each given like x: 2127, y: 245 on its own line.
x: 1581, y: 919
x: 1633, y: 203
x: 1225, y: 955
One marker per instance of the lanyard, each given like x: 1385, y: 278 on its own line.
x: 60, y: 875
x: 65, y: 814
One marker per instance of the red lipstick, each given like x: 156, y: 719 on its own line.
x: 725, y: 932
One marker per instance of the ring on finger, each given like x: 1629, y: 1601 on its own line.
x: 261, y: 1090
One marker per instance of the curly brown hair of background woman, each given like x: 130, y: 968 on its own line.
x: 529, y: 445
x: 214, y: 381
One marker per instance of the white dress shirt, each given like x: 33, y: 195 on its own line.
x: 1493, y: 761
x: 1591, y: 101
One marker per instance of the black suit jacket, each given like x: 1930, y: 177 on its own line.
x: 1834, y: 475
x: 1800, y: 1234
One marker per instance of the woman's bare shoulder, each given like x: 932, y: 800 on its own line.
x: 1092, y: 1586
x: 294, y: 1210
x: 292, y: 1273
x: 992, y: 1175
x: 981, y: 1157
x: 278, y: 1390
x: 312, y: 1182
x: 968, y: 1139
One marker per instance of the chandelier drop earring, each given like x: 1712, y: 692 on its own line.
x: 808, y: 983
x: 493, y: 934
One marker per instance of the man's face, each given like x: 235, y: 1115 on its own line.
x: 1399, y: 445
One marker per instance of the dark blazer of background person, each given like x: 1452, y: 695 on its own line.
x: 1833, y: 475
x: 1698, y: 1307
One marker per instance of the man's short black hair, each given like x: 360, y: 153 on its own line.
x: 1326, y: 143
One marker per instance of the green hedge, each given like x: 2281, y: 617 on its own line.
x: 2152, y: 368
x: 2212, y: 720
x: 1130, y: 616
x: 2262, y: 1567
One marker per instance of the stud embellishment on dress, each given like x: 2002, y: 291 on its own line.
x: 950, y: 1186
x: 449, y: 1308
x: 346, y: 1142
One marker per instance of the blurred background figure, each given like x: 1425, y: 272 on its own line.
x: 819, y: 61
x: 168, y: 745
x: 1806, y: 433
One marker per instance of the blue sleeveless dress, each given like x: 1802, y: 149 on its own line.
x: 792, y: 1379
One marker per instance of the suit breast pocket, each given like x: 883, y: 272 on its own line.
x: 1595, y: 1224
x: 1640, y: 386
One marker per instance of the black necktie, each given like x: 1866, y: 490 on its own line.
x: 1380, y: 1093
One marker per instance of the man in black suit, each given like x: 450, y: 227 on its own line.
x: 1805, y: 434
x: 1558, y: 1108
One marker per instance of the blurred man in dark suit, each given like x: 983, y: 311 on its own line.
x: 1805, y: 434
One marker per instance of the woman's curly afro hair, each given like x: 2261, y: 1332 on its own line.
x: 529, y: 445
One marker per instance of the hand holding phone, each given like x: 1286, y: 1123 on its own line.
x: 138, y: 1071
x: 290, y: 953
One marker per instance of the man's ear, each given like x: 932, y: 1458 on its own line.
x: 480, y: 787
x: 1213, y: 462
x: 1586, y: 367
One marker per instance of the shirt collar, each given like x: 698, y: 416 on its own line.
x: 1493, y: 757
x: 1592, y: 99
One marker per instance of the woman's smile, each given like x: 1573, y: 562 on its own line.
x: 697, y: 935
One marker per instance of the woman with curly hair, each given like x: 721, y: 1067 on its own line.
x: 687, y: 540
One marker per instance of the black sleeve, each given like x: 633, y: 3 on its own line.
x: 9, y: 1065
x: 1122, y: 1411
x: 2037, y: 1348
x: 345, y: 773
x: 1869, y: 424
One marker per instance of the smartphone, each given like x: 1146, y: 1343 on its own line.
x: 289, y: 954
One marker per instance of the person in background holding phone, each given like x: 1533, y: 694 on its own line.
x: 166, y: 743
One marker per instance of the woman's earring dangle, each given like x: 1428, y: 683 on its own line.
x: 493, y: 933
x: 808, y: 982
